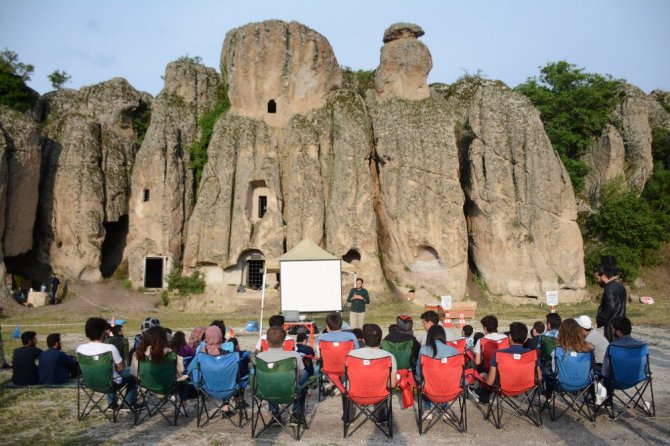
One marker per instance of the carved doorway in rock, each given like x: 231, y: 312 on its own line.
x: 111, y: 256
x: 153, y: 272
x: 255, y: 273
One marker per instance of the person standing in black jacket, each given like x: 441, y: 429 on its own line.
x: 613, y: 302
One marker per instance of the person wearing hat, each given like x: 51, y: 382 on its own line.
x: 401, y: 332
x: 594, y: 337
x: 613, y: 302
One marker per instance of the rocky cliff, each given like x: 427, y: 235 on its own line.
x: 413, y: 184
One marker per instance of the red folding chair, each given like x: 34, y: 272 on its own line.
x: 288, y: 345
x: 368, y: 389
x: 443, y: 384
x: 516, y: 386
x: 458, y: 344
x: 488, y: 348
x: 332, y: 354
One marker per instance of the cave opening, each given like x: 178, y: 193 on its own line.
x: 116, y: 234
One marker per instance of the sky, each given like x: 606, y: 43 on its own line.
x: 507, y: 40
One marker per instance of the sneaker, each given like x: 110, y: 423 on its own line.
x: 473, y: 395
x: 428, y: 417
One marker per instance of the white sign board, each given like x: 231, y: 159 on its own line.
x: 552, y: 298
x: 311, y: 285
x: 446, y: 302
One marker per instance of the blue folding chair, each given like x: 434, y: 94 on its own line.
x: 218, y: 385
x: 628, y: 379
x: 573, y: 381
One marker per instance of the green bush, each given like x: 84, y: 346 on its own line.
x: 194, y: 284
x: 574, y: 107
x: 15, y: 94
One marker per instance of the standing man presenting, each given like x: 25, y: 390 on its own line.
x: 358, y: 297
x: 613, y: 302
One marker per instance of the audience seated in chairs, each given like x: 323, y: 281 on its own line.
x: 266, y: 365
x: 370, y: 374
x: 276, y: 320
x: 25, y: 372
x: 594, y: 337
x: 400, y: 341
x: 514, y: 373
x: 572, y: 376
x: 626, y: 373
x: 55, y: 366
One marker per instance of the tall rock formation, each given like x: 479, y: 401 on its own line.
x: 308, y: 158
x: 419, y: 204
x: 162, y: 183
x: 520, y: 207
x: 87, y: 161
x: 20, y: 137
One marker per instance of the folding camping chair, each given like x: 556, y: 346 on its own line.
x: 275, y: 383
x: 332, y: 354
x: 442, y: 384
x: 369, y: 390
x: 218, y: 385
x: 573, y: 381
x: 516, y: 379
x: 157, y: 390
x: 402, y: 352
x: 95, y: 382
x: 458, y: 344
x: 628, y: 380
x: 288, y: 345
x: 488, y: 348
x: 547, y: 345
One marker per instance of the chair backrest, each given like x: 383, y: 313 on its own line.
x: 97, y: 371
x: 333, y: 354
x: 442, y: 379
x: 369, y: 380
x: 574, y: 370
x: 459, y: 344
x: 288, y: 345
x: 218, y: 375
x: 516, y: 372
x: 489, y: 347
x: 159, y: 377
x: 401, y: 350
x: 547, y: 347
x: 276, y: 382
x: 629, y: 365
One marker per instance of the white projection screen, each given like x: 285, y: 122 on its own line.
x: 311, y: 285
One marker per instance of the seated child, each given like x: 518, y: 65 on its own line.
x: 306, y: 352
x: 467, y: 334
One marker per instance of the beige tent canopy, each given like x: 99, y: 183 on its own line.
x: 305, y: 250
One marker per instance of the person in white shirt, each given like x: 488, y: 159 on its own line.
x: 95, y: 332
x: 490, y: 324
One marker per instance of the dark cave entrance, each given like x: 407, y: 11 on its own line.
x: 116, y: 234
x: 153, y: 272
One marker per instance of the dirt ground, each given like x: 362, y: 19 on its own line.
x: 30, y: 416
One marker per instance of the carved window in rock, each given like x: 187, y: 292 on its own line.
x: 145, y: 195
x: 352, y: 256
x: 259, y: 200
x: 262, y: 205
x: 272, y: 106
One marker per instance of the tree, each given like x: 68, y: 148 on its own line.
x: 574, y: 107
x: 187, y: 58
x: 9, y: 63
x: 59, y: 78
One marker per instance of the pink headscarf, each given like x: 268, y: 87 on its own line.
x: 196, y: 337
x: 213, y: 338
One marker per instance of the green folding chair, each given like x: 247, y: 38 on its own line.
x: 95, y: 382
x: 275, y: 383
x: 157, y: 390
x: 402, y: 352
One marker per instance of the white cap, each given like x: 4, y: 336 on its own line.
x: 584, y: 321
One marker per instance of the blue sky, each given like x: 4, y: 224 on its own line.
x: 96, y: 40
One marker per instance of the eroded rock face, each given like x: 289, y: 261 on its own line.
x: 422, y: 229
x: 607, y: 160
x: 636, y: 134
x: 87, y: 161
x: 21, y: 139
x: 287, y: 63
x: 162, y: 183
x: 520, y: 206
x: 404, y: 64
